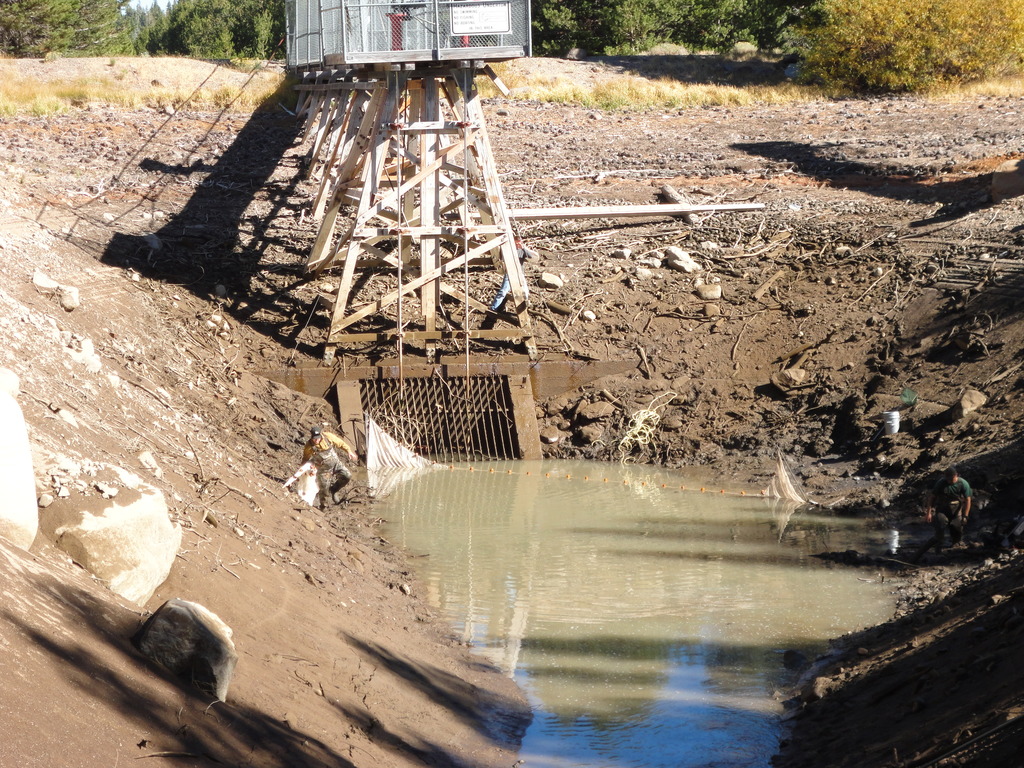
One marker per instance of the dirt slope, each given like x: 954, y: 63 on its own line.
x: 340, y: 664
x: 878, y: 264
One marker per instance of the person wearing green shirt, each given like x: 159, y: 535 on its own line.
x: 948, y: 507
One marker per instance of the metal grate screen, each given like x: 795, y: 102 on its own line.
x: 447, y: 419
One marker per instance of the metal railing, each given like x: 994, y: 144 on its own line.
x: 339, y: 32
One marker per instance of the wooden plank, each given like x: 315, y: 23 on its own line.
x: 498, y: 209
x: 336, y: 85
x: 431, y: 154
x: 446, y: 232
x: 549, y: 378
x: 320, y: 254
x: 389, y: 336
x: 423, y: 126
x: 624, y: 211
x: 524, y: 413
x: 350, y: 414
x: 343, y: 144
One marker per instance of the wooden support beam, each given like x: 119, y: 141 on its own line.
x: 548, y: 378
x: 515, y: 334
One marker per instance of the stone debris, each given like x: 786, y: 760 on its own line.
x: 969, y: 402
x: 550, y: 281
x: 67, y: 296
x: 709, y: 292
x: 681, y: 261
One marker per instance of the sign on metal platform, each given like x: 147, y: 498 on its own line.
x: 490, y: 19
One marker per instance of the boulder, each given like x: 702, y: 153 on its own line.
x: 193, y: 643
x: 69, y: 298
x: 127, y: 541
x: 9, y: 382
x: 44, y: 283
x: 1008, y: 180
x: 551, y: 435
x: 970, y: 401
x: 19, y: 514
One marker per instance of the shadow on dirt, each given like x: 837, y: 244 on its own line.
x: 219, y: 241
x: 954, y: 679
x: 700, y: 68
x: 129, y: 693
x: 887, y: 178
x: 463, y: 701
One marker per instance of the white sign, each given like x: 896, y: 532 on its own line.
x: 490, y: 19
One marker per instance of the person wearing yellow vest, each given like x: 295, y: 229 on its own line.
x: 321, y: 451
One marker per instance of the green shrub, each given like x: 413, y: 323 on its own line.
x: 912, y: 45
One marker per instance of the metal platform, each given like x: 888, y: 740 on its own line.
x: 330, y: 33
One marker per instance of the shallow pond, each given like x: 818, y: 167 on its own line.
x: 645, y: 623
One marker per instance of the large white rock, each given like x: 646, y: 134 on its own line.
x: 19, y: 515
x: 679, y: 260
x: 193, y: 643
x: 128, y: 541
x: 550, y: 280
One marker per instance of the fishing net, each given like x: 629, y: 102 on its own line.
x: 784, y: 484
x: 388, y: 462
x: 384, y: 452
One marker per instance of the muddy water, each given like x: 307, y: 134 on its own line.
x: 646, y: 624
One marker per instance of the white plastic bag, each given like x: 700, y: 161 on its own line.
x: 306, y: 487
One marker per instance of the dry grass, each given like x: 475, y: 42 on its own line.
x: 1005, y: 87
x: 53, y: 86
x: 595, y: 84
x: 626, y: 91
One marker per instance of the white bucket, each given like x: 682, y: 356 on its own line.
x: 892, y: 422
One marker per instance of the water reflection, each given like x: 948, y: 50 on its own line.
x: 645, y: 623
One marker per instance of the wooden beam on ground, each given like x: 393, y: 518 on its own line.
x: 624, y: 211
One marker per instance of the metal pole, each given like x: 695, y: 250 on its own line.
x: 437, y: 29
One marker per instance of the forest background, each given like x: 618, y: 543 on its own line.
x: 854, y: 45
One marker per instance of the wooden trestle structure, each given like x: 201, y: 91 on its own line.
x: 402, y: 149
x: 408, y: 148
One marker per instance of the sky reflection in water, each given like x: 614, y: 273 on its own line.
x: 645, y: 624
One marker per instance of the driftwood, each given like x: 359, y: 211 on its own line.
x: 763, y: 288
x: 669, y: 193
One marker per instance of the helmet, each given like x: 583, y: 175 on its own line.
x: 315, y: 432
